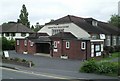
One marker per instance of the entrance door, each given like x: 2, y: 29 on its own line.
x: 43, y: 48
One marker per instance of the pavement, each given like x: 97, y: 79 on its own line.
x: 55, y: 67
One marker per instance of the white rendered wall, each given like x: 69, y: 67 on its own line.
x: 70, y: 27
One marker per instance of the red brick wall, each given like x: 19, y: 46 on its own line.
x: 21, y: 47
x: 31, y: 49
x: 74, y: 52
x: 59, y: 45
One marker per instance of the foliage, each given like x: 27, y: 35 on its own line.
x: 102, y: 67
x: 89, y: 66
x: 107, y: 68
x: 7, y: 44
x: 115, y: 20
x: 18, y: 60
x: 24, y: 17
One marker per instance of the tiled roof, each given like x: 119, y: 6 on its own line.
x: 64, y: 35
x: 86, y: 24
x: 37, y: 35
x: 15, y: 27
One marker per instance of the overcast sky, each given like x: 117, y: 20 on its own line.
x: 43, y: 11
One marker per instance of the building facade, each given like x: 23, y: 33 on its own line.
x: 13, y: 30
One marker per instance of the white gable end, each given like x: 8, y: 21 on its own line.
x: 69, y: 27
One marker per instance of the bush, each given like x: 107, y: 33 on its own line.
x: 17, y: 59
x: 103, y: 67
x: 23, y: 60
x: 8, y: 44
x: 89, y: 66
x: 107, y: 68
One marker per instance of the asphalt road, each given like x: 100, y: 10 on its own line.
x: 57, y: 67
x: 15, y: 74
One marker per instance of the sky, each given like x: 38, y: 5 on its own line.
x: 43, y: 11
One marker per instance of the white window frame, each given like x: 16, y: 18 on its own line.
x: 114, y: 41
x: 55, y: 44
x: 18, y: 42
x: 97, y: 48
x: 67, y: 44
x: 31, y: 43
x: 83, y: 45
x: 25, y: 42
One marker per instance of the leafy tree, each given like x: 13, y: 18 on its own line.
x: 24, y: 17
x: 32, y: 27
x: 115, y: 20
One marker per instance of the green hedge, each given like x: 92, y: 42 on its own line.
x: 91, y: 66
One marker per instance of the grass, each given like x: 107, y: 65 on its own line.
x: 112, y: 56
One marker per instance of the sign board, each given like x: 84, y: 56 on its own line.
x: 102, y: 36
x: 6, y: 54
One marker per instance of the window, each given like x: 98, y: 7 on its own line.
x: 102, y: 47
x: 97, y: 48
x: 12, y: 34
x: 25, y: 42
x: 55, y: 31
x: 94, y: 23
x: 23, y: 34
x: 92, y: 50
x: 114, y: 41
x: 31, y: 43
x: 55, y: 44
x: 108, y: 41
x: 67, y: 44
x: 18, y: 42
x: 6, y: 34
x: 83, y: 45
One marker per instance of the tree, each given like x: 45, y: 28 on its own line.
x: 32, y: 27
x: 115, y: 20
x: 24, y: 17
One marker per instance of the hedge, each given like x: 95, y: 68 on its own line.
x: 92, y: 66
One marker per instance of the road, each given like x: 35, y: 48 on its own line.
x: 18, y: 74
x: 57, y: 68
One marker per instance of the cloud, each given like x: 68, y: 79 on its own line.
x: 43, y: 10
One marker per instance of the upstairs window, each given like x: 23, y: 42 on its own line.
x: 6, y: 34
x: 83, y: 45
x: 12, y: 34
x: 94, y: 23
x: 23, y: 34
x: 67, y: 44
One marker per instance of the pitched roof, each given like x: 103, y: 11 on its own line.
x: 41, y: 40
x: 15, y: 27
x: 85, y: 23
x: 64, y: 35
x: 37, y: 35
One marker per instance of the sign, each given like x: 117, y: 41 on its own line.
x: 58, y: 27
x: 102, y: 36
x: 6, y: 54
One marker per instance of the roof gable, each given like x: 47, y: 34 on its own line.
x: 15, y: 27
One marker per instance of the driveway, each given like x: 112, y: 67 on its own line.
x: 55, y: 66
x: 49, y: 62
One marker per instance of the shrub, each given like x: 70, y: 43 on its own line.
x: 8, y: 44
x: 17, y: 59
x: 107, y: 68
x: 89, y: 66
x: 23, y: 60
